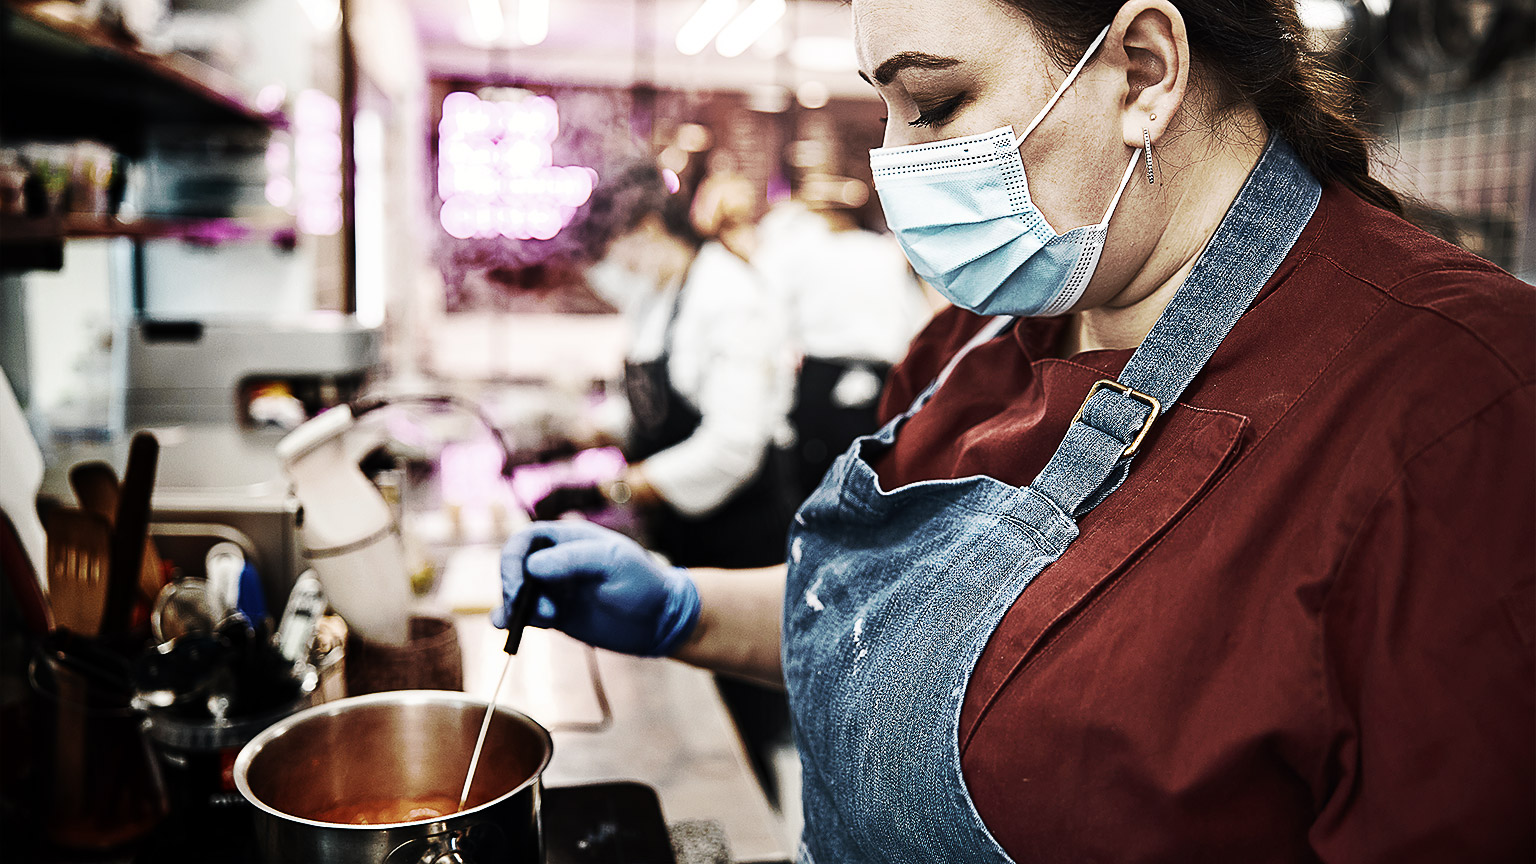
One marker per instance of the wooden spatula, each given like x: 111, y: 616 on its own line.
x: 79, y: 546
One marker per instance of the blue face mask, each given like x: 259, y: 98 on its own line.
x: 961, y: 209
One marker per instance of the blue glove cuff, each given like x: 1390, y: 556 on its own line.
x: 681, y: 615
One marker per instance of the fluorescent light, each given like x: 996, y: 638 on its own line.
x: 485, y: 16
x: 325, y: 15
x: 823, y: 54
x: 705, y: 23
x: 752, y: 23
x: 532, y: 21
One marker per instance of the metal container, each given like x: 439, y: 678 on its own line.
x: 399, y: 745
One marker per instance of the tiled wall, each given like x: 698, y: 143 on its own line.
x: 1472, y: 151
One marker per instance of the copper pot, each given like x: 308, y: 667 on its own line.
x: 407, y: 745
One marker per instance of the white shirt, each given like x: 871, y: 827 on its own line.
x: 849, y: 294
x: 730, y: 362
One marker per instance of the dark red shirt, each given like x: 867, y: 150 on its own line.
x: 1302, y: 629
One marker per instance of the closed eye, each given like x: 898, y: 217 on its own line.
x: 938, y: 114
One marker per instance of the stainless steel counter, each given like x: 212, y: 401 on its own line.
x: 668, y: 727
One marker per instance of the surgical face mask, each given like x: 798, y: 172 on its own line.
x: 622, y: 287
x: 962, y: 211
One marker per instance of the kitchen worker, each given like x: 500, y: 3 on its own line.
x: 706, y: 381
x: 853, y: 306
x: 1199, y: 530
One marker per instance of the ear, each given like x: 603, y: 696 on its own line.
x: 1154, y: 49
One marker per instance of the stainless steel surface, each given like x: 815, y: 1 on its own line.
x: 195, y: 377
x: 669, y: 730
x: 395, y: 745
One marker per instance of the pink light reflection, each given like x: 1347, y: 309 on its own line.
x: 532, y: 482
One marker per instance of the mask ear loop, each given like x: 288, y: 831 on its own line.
x: 1071, y: 76
x: 1124, y: 182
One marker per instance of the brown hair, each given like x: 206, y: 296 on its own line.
x: 1253, y: 52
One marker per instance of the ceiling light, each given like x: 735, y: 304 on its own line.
x: 532, y: 21
x: 752, y: 23
x: 704, y: 24
x: 486, y: 19
x: 824, y: 54
x: 325, y: 15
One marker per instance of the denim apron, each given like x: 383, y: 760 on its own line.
x: 892, y: 595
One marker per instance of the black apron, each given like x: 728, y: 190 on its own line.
x: 824, y: 427
x: 749, y: 528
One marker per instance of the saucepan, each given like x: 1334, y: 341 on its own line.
x: 375, y: 779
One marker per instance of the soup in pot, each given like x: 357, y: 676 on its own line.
x: 387, y: 811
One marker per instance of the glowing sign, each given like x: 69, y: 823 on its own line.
x: 495, y: 170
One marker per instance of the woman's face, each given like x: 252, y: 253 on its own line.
x: 950, y: 68
x: 645, y: 252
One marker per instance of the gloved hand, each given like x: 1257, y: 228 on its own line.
x: 566, y: 499
x: 600, y: 587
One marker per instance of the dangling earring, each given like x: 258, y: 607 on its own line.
x: 1146, y: 138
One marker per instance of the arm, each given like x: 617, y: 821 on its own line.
x: 604, y: 589
x: 739, y: 622
x: 729, y: 361
x: 1428, y: 651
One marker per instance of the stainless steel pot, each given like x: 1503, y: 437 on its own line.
x: 405, y: 744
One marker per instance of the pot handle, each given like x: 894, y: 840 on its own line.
x: 463, y: 846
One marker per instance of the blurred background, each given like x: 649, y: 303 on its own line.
x: 265, y: 160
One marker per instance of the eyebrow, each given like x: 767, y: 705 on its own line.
x: 909, y: 60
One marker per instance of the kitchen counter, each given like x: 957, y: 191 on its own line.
x: 665, y: 725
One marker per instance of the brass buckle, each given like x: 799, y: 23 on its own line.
x: 1146, y: 425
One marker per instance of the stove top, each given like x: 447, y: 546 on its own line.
x: 598, y: 823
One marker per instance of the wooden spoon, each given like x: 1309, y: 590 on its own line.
x: 95, y: 484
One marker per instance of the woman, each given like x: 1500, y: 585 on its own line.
x: 1264, y: 597
x: 705, y: 381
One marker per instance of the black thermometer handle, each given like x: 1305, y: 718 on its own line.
x: 523, y: 604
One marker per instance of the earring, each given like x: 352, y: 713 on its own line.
x: 1146, y: 138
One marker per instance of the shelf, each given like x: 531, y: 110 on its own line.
x: 62, y: 80
x: 19, y: 230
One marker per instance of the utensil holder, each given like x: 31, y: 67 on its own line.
x: 101, y: 786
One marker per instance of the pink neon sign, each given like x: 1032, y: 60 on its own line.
x: 495, y: 170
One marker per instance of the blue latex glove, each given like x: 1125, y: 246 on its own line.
x: 600, y: 587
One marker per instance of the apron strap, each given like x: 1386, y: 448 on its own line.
x: 1258, y: 231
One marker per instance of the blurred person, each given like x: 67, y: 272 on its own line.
x: 706, y: 384
x: 853, y: 304
x: 725, y: 209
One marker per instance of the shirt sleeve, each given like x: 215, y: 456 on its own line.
x: 733, y: 367
x: 1429, y: 660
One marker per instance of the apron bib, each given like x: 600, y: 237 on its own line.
x: 747, y: 529
x: 892, y: 595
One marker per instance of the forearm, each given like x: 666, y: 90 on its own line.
x: 739, y: 623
